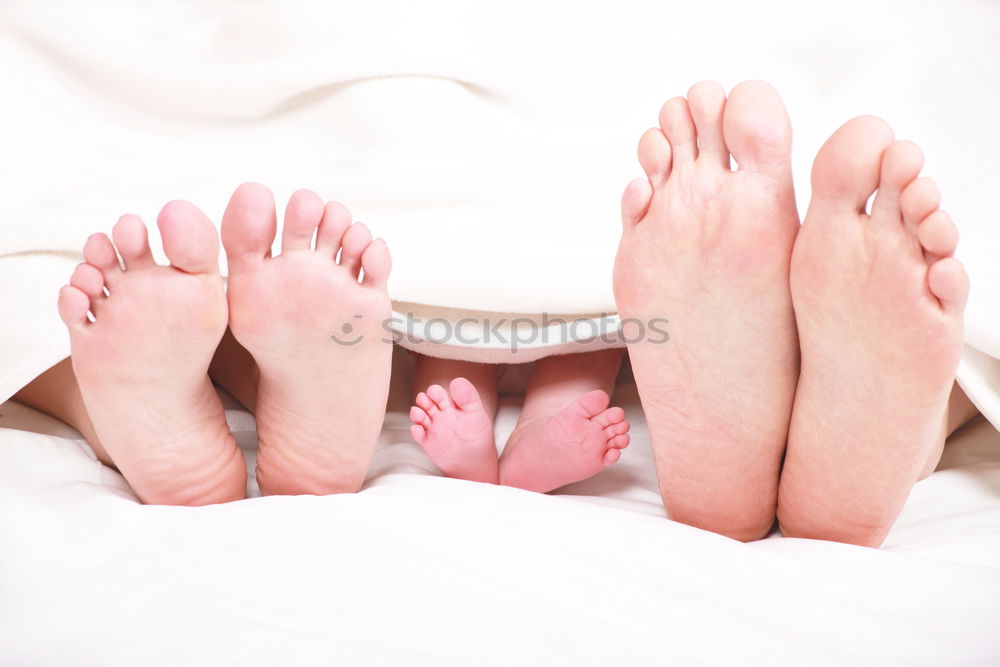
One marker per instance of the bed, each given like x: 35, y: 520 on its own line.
x: 107, y: 104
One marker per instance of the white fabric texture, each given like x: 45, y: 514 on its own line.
x: 420, y: 569
x: 489, y: 146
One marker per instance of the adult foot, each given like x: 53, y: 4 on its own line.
x: 142, y: 363
x: 316, y: 335
x: 453, y: 428
x: 879, y: 302
x: 575, y: 443
x: 707, y: 247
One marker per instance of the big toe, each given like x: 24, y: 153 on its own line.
x: 847, y: 168
x: 189, y: 238
x: 756, y: 128
x: 592, y: 403
x: 464, y: 394
x: 248, y: 226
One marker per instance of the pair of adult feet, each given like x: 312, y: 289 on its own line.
x: 839, y: 337
x: 142, y: 359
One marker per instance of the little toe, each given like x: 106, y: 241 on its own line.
x: 89, y: 280
x: 846, y: 171
x: 73, y: 307
x: 418, y: 433
x: 678, y: 127
x: 635, y: 201
x: 592, y: 403
x: 302, y: 217
x: 757, y: 130
x: 336, y: 220
x: 376, y: 264
x: 611, y: 456
x: 919, y: 199
x: 464, y: 394
x: 706, y: 100
x: 99, y: 253
x: 132, y: 241
x: 439, y: 395
x: 356, y: 239
x: 949, y: 283
x: 189, y: 238
x: 938, y: 234
x: 248, y: 226
x: 654, y: 155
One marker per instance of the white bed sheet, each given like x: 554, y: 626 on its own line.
x: 420, y: 569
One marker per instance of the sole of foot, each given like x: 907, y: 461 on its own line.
x: 312, y: 318
x: 577, y: 442
x: 879, y: 302
x: 142, y: 363
x: 707, y: 247
x: 456, y: 433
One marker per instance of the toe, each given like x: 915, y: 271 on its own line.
x: 132, y: 241
x: 89, y: 280
x: 376, y: 263
x: 618, y: 428
x: 901, y: 163
x: 418, y: 433
x: 938, y: 234
x: 302, y: 217
x: 248, y: 226
x: 675, y: 119
x: 706, y: 100
x: 847, y: 167
x: 189, y: 238
x: 635, y: 201
x: 949, y: 283
x: 619, y: 441
x: 424, y: 402
x: 757, y: 130
x: 419, y: 416
x: 73, y: 306
x: 356, y: 239
x: 654, y: 155
x: 919, y: 199
x: 611, y: 456
x: 592, y: 403
x: 464, y: 394
x: 99, y: 253
x: 439, y: 395
x: 336, y: 220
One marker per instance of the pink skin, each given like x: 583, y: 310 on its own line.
x: 566, y: 431
x: 319, y: 402
x: 142, y: 364
x: 879, y: 301
x: 708, y: 247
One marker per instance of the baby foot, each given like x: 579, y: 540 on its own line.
x: 142, y: 364
x: 575, y: 443
x: 879, y: 302
x: 316, y: 335
x: 707, y: 248
x: 453, y: 428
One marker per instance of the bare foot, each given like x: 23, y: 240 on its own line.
x: 573, y: 444
x: 708, y: 248
x: 453, y: 428
x: 316, y: 335
x: 142, y: 364
x: 879, y: 303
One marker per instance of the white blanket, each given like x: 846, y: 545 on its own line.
x: 419, y: 569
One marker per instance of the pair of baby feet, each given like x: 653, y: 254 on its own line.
x: 547, y: 452
x: 839, y: 337
x: 143, y: 336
